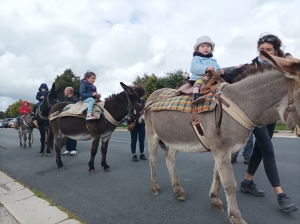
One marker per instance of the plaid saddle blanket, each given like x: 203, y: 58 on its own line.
x: 167, y: 100
x: 79, y: 109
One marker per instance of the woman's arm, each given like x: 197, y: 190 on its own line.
x: 230, y: 76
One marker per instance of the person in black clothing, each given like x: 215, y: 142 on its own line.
x: 70, y: 143
x: 138, y: 132
x: 263, y: 147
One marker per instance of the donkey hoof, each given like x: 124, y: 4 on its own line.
x: 180, y: 196
x: 155, y: 192
x: 48, y: 154
x: 61, y: 168
x: 107, y: 169
x: 93, y: 171
x: 217, y: 208
x: 21, y: 145
x: 41, y: 154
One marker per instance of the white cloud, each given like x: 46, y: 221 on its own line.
x: 120, y: 39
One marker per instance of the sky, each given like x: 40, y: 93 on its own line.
x: 121, y: 39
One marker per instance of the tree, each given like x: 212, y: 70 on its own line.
x: 153, y: 83
x: 174, y: 79
x: 141, y: 81
x: 68, y: 79
x: 13, y: 110
x: 2, y: 115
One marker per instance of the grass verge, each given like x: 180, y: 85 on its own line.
x: 52, y: 203
x: 281, y: 127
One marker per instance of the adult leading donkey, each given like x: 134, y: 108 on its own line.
x: 119, y: 105
x: 264, y: 98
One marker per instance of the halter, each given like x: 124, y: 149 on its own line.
x: 130, y: 106
x: 291, y: 105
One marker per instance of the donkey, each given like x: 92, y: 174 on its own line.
x: 27, y: 126
x: 51, y: 98
x: 264, y: 99
x: 119, y: 105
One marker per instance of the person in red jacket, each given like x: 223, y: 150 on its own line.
x: 24, y: 110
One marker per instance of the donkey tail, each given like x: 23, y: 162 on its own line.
x: 162, y: 145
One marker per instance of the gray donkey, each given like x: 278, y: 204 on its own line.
x: 25, y: 130
x: 263, y: 97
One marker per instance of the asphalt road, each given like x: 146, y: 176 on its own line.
x: 123, y: 195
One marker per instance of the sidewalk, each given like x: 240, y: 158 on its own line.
x: 22, y: 206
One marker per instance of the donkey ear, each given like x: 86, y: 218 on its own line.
x: 287, y: 65
x: 127, y: 89
x: 53, y: 87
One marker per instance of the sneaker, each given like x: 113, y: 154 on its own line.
x: 143, y: 157
x: 197, y: 98
x: 90, y: 117
x: 252, y: 189
x: 134, y: 158
x: 67, y: 152
x: 233, y: 159
x: 73, y: 153
x: 246, y: 160
x: 286, y: 204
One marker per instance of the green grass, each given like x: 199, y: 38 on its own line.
x: 281, y: 127
x: 52, y: 203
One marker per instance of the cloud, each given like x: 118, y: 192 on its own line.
x: 119, y: 40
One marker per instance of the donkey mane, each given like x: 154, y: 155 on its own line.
x: 114, y: 96
x: 252, y: 70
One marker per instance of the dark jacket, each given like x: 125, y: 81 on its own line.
x: 39, y: 94
x: 72, y: 99
x: 231, y: 75
x: 86, y: 89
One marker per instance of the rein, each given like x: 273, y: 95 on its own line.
x: 291, y: 108
x: 49, y: 107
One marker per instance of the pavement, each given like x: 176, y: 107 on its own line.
x: 21, y: 205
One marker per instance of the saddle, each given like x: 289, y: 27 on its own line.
x: 211, y: 78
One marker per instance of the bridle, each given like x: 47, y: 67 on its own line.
x: 130, y: 106
x: 49, y: 107
x: 291, y: 108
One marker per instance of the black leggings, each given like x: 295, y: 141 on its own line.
x: 263, y: 149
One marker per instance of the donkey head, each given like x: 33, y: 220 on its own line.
x: 53, y: 96
x: 135, y: 103
x: 290, y: 66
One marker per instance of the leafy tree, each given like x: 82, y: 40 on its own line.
x: 153, y: 83
x: 2, y: 115
x: 141, y: 81
x: 13, y: 110
x: 173, y: 79
x: 68, y: 79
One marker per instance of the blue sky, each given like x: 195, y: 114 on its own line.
x: 120, y: 39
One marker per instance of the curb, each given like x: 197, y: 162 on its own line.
x: 27, y: 208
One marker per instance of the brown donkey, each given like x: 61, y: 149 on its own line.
x: 119, y: 105
x: 264, y: 99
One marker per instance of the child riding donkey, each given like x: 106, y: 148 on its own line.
x: 202, y: 63
x: 24, y: 110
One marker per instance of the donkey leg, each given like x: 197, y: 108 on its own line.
x: 25, y: 139
x: 58, y: 145
x: 171, y: 163
x: 217, y: 204
x: 29, y: 139
x: 94, y: 149
x: 42, y: 139
x: 224, y: 166
x: 152, y: 147
x: 104, y: 145
x: 20, y: 138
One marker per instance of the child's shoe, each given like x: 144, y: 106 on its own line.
x: 198, y: 98
x: 90, y: 117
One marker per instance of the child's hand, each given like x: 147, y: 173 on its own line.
x: 94, y: 93
x: 210, y: 68
x: 42, y: 97
x: 222, y: 71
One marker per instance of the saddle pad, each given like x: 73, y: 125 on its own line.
x: 79, y: 109
x: 167, y: 100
